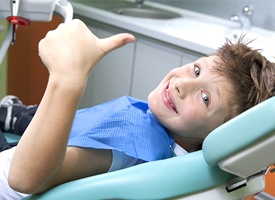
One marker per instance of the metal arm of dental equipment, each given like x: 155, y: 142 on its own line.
x: 22, y: 12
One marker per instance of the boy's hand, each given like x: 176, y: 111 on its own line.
x: 72, y: 50
x: 69, y: 52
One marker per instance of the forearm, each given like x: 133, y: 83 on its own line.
x: 41, y: 150
x: 39, y: 158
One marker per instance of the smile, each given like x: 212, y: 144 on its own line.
x: 168, y: 100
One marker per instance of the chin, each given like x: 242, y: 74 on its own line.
x: 151, y: 105
x: 153, y: 100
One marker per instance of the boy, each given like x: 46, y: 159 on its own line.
x: 189, y: 103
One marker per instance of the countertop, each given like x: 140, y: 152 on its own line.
x: 194, y: 31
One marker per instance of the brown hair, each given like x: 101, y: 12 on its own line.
x: 250, y: 74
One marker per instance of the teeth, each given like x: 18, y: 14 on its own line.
x: 172, y: 105
x: 167, y: 96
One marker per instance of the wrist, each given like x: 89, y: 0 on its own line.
x: 74, y: 86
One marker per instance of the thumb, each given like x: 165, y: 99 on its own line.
x: 111, y: 43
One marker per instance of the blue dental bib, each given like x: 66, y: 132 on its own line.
x: 125, y: 124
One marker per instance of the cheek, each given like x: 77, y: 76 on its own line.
x: 216, y: 121
x: 190, y: 122
x: 181, y: 125
x: 186, y: 124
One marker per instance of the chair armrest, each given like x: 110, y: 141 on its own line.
x: 154, y: 180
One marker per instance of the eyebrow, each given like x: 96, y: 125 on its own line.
x: 216, y: 88
x: 217, y: 91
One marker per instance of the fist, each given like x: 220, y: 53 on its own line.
x: 72, y: 50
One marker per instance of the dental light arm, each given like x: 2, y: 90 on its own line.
x: 65, y: 9
x: 21, y: 12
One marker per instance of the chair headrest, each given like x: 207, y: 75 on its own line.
x: 240, y: 132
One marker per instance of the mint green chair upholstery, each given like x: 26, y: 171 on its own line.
x: 231, y: 165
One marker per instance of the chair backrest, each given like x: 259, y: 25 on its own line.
x: 246, y: 144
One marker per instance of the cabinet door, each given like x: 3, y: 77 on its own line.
x: 112, y: 75
x: 86, y: 100
x: 27, y: 75
x: 152, y: 62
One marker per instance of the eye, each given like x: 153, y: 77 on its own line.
x: 197, y: 71
x: 205, y: 98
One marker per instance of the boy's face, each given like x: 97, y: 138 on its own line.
x: 191, y: 101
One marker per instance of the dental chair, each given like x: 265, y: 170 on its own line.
x: 231, y: 165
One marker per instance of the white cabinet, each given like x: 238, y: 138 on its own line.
x: 112, y: 76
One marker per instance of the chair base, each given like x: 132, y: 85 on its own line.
x: 253, y: 186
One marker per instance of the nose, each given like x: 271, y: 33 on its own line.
x: 185, y: 86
